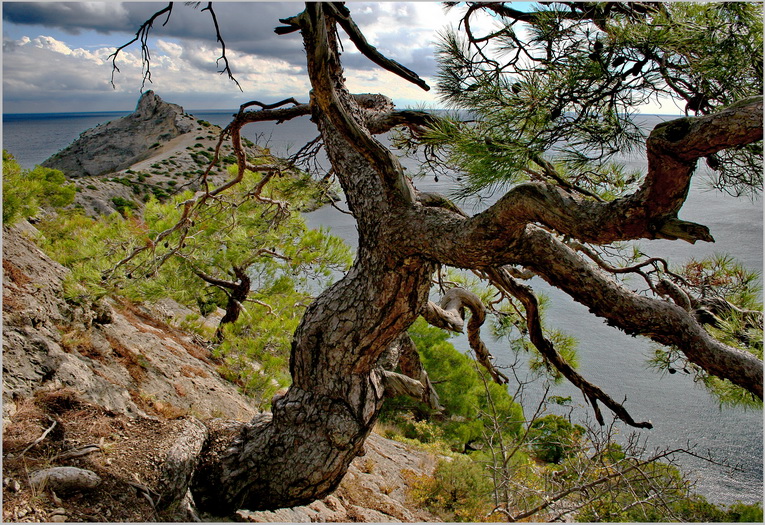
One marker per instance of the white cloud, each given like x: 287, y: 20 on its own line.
x: 48, y: 42
x: 46, y: 68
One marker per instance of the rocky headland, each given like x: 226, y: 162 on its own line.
x: 157, y: 150
x: 119, y: 144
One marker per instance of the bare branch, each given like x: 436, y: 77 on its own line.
x: 226, y: 67
x: 141, y: 35
x: 343, y: 17
x: 42, y: 436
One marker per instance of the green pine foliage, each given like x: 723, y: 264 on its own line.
x: 25, y: 192
x: 461, y: 387
x: 553, y: 438
x: 734, y: 293
x: 566, y: 82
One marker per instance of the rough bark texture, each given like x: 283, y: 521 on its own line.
x: 302, y: 450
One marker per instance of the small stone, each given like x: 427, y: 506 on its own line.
x: 59, y: 510
x: 64, y: 479
x: 58, y: 518
x: 12, y: 484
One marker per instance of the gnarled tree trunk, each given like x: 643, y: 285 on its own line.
x: 301, y: 451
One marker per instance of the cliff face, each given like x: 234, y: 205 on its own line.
x: 121, y: 143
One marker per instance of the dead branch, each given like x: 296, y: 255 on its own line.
x: 503, y: 281
x: 143, y: 35
x: 78, y: 452
x: 343, y: 17
x: 219, y: 38
x: 449, y: 314
x: 43, y: 436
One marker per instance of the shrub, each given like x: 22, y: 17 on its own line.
x: 459, y: 490
x: 554, y: 438
x: 26, y: 191
x: 124, y: 205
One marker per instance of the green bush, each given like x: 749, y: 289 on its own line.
x: 25, y: 192
x: 744, y: 513
x: 553, y: 438
x: 124, y: 205
x: 459, y: 491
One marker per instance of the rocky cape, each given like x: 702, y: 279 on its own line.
x: 157, y: 150
x: 119, y: 144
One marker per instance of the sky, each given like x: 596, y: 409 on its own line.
x: 55, y: 54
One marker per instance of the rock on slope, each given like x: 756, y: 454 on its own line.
x: 110, y: 387
x: 116, y: 354
x: 121, y: 143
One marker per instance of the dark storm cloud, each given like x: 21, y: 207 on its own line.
x: 73, y: 17
x: 246, y: 27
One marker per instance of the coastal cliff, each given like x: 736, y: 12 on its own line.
x: 121, y: 143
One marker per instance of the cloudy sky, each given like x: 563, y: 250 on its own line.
x: 55, y: 55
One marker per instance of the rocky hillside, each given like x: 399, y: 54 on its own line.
x: 121, y: 143
x: 107, y: 391
x: 157, y: 150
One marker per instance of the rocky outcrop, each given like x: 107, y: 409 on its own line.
x: 121, y: 143
x: 114, y: 354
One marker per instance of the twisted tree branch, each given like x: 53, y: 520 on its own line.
x: 449, y: 314
x: 503, y: 281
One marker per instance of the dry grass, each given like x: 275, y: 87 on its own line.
x: 80, y: 341
x: 193, y: 371
x: 15, y: 274
x: 129, y: 359
x: 127, y: 449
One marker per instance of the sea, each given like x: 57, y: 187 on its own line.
x: 683, y: 414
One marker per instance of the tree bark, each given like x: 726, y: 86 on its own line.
x: 301, y: 451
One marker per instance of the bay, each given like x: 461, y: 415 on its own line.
x: 683, y: 413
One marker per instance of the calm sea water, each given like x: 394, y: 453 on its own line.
x: 683, y: 414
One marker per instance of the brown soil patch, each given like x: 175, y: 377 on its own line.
x: 126, y: 454
x: 15, y: 274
